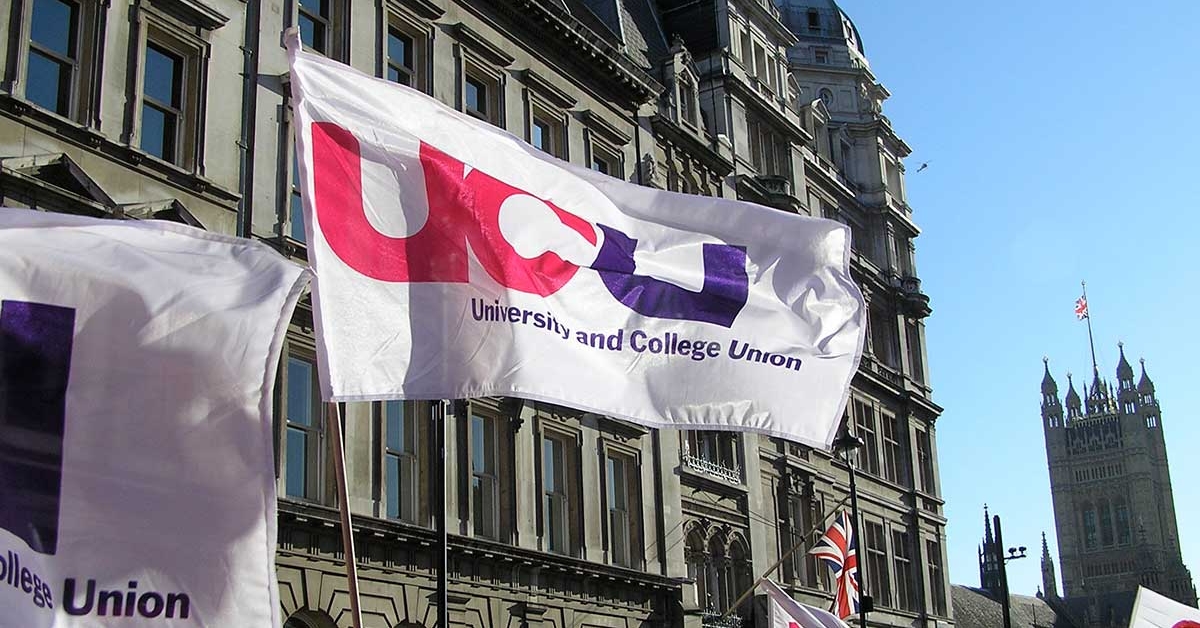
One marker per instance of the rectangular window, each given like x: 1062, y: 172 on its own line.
x: 162, y: 103
x: 864, y: 421
x: 687, y: 101
x: 400, y: 57
x: 303, y: 431
x: 52, y: 73
x: 714, y: 453
x: 877, y: 566
x: 481, y: 97
x: 546, y: 134
x: 925, y: 459
x: 916, y: 366
x: 806, y: 570
x: 400, y: 468
x: 893, y: 452
x: 883, y: 336
x: 937, y: 584
x: 1089, y: 529
x: 621, y: 485
x: 555, y: 506
x: 821, y: 57
x: 485, y: 489
x: 902, y: 560
x: 315, y: 22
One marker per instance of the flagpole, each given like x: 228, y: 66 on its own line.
x: 333, y: 414
x: 803, y: 539
x: 1088, y: 316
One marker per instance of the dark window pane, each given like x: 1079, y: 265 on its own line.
x: 319, y: 7
x: 296, y: 219
x: 600, y: 165
x: 479, y: 456
x: 299, y: 391
x: 540, y: 134
x: 53, y: 25
x: 158, y: 132
x: 296, y: 211
x: 396, y: 424
x: 164, y: 70
x: 49, y: 83
x: 297, y: 462
x: 399, y: 48
x: 393, y: 486
x: 476, y: 96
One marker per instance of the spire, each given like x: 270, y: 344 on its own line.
x: 987, y: 527
x: 1124, y: 371
x: 1049, y: 386
x: 1049, y: 581
x: 1144, y: 384
x: 1072, y: 396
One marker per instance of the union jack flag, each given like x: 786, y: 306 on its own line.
x: 1081, y: 308
x: 838, y: 549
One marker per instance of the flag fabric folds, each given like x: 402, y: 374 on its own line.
x: 838, y: 549
x: 1081, y: 308
x: 1154, y: 610
x: 454, y: 261
x: 786, y: 612
x: 137, y: 482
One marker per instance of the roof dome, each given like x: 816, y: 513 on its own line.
x: 820, y: 20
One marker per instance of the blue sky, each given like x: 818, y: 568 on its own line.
x: 1060, y: 140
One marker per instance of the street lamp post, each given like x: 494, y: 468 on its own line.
x: 848, y: 443
x: 1001, y: 561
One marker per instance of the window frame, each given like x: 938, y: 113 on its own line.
x: 486, y: 477
x: 569, y: 540
x: 555, y: 123
x: 937, y: 578
x: 492, y: 85
x: 866, y: 427
x: 315, y: 462
x: 875, y: 542
x: 195, y: 52
x: 630, y: 459
x: 902, y: 563
x: 409, y: 509
x: 336, y: 26
x: 403, y: 20
x: 79, y: 87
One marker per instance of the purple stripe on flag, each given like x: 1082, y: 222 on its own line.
x: 726, y: 284
x: 35, y: 362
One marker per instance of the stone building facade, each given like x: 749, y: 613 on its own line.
x: 1114, y: 509
x: 178, y: 110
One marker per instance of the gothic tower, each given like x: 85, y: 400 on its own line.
x: 1113, y: 506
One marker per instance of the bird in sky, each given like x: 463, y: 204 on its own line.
x: 923, y: 166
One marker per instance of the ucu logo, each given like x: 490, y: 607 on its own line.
x: 470, y: 209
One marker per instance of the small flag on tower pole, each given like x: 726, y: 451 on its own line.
x: 838, y: 549
x: 1081, y: 310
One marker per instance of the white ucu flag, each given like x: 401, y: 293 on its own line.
x: 136, y: 478
x: 454, y: 260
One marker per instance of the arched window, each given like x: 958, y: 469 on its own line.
x: 718, y: 587
x: 739, y: 578
x: 305, y: 618
x: 696, y: 558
